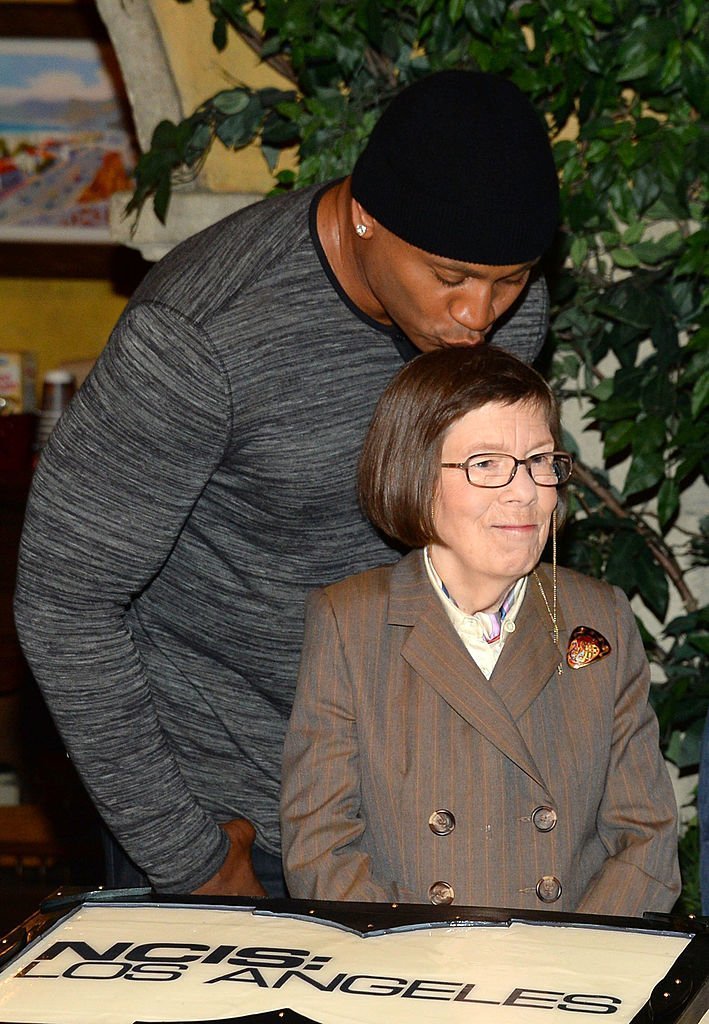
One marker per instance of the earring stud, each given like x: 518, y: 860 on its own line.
x: 361, y: 230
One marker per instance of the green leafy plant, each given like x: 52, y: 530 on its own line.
x: 623, y: 87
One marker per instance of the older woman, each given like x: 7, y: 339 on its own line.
x: 470, y: 725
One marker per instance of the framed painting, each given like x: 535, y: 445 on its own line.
x: 66, y: 139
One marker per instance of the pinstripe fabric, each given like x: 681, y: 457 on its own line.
x: 392, y: 721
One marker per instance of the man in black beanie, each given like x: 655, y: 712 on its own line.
x: 202, y: 481
x: 449, y: 207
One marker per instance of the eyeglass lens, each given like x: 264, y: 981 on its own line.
x: 493, y: 470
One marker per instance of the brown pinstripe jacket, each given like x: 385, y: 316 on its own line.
x: 393, y: 721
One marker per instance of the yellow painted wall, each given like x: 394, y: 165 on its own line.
x: 61, y: 320
x: 200, y: 71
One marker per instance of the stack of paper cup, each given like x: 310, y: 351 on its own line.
x: 57, y: 392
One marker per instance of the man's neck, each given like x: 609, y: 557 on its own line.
x: 339, y: 242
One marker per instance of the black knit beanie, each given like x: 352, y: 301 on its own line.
x: 460, y: 165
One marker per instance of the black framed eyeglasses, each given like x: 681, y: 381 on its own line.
x: 494, y: 469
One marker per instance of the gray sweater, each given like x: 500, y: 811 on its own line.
x: 200, y: 484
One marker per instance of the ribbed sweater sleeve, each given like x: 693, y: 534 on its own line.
x: 122, y: 473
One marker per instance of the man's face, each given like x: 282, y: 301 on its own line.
x: 436, y: 302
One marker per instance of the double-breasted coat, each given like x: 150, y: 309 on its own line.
x: 410, y: 777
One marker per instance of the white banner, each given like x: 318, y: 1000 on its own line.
x: 120, y: 964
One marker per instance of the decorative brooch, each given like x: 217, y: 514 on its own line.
x: 585, y: 646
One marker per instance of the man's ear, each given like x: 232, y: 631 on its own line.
x: 362, y: 220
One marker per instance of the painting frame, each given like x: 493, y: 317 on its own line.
x: 63, y: 20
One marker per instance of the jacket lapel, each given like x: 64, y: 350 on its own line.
x: 529, y: 657
x: 437, y: 654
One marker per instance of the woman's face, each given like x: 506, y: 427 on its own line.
x: 490, y: 537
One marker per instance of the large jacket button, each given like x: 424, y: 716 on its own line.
x: 440, y: 893
x: 548, y: 889
x: 442, y: 822
x: 544, y: 818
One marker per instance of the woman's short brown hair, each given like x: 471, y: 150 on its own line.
x: 399, y: 468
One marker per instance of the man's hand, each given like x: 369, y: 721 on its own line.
x: 236, y: 876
